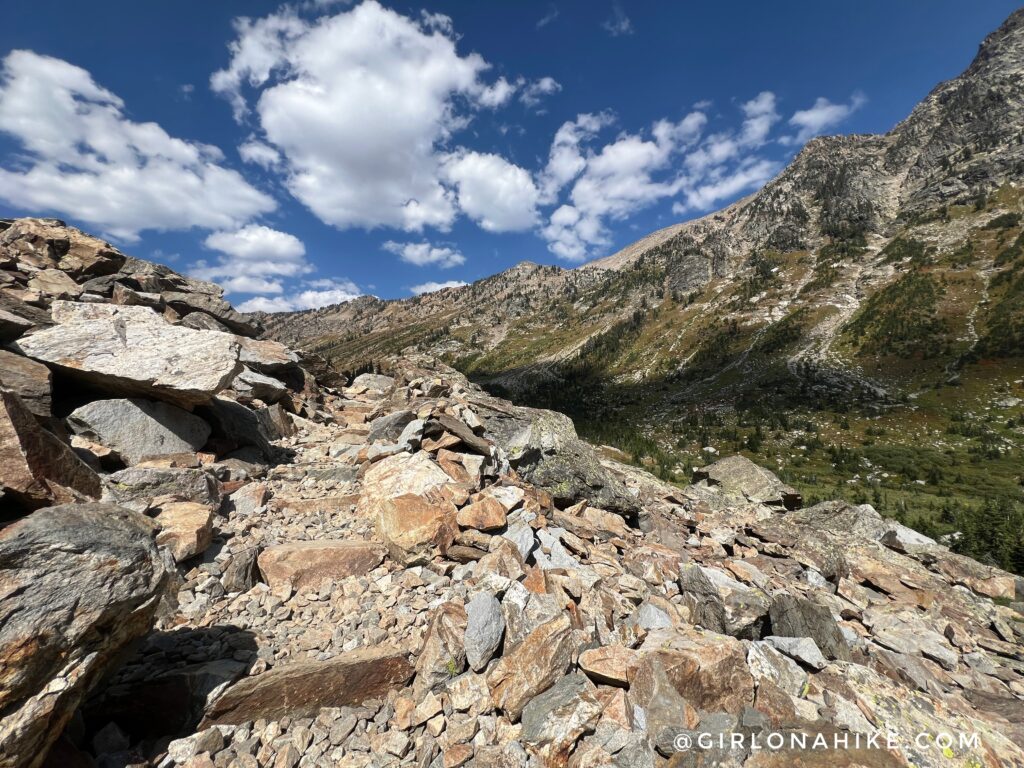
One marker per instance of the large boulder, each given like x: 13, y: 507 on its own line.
x: 404, y: 494
x: 308, y: 564
x: 237, y: 426
x: 138, y: 487
x: 542, y: 446
x: 132, y: 350
x: 266, y: 355
x: 416, y: 528
x: 36, y: 468
x: 137, y: 429
x: 709, y: 670
x: 79, y: 583
x: 185, y: 302
x: 739, y: 475
x: 302, y: 688
x: 11, y: 325
x: 29, y: 380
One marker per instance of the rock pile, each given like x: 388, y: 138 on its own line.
x: 407, y: 571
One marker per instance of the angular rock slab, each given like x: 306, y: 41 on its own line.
x: 78, y: 584
x: 308, y: 564
x: 132, y: 350
x: 709, y: 670
x: 67, y: 248
x: 485, y: 627
x: 137, y: 487
x: 794, y: 616
x: 532, y: 667
x: 29, y: 380
x: 35, y: 467
x: 302, y: 688
x: 186, y: 528
x: 139, y: 429
x: 738, y: 474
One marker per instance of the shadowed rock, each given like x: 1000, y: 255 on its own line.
x: 36, y: 468
x: 301, y: 688
x: 138, y: 429
x: 79, y: 583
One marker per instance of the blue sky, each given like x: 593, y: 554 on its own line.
x: 303, y: 154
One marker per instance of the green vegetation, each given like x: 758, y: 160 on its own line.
x: 902, y: 320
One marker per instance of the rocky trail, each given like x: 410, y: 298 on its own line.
x: 218, y: 552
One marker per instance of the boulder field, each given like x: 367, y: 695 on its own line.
x: 216, y: 559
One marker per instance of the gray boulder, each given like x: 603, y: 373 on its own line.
x: 29, y: 380
x: 137, y: 487
x: 138, y: 429
x: 542, y: 446
x: 793, y: 616
x: 80, y: 584
x: 375, y: 381
x: 250, y: 384
x: 739, y: 475
x: 702, y: 598
x: 389, y: 428
x: 484, y: 629
x: 555, y: 720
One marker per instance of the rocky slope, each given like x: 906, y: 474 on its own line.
x: 210, y: 559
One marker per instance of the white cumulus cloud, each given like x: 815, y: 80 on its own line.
x: 311, y: 295
x: 250, y: 257
x: 624, y: 176
x: 363, y: 107
x: 425, y: 254
x: 497, y: 195
x: 83, y: 158
x: 822, y: 116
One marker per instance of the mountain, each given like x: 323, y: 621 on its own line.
x: 857, y: 324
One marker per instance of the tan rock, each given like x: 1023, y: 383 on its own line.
x: 302, y: 688
x: 53, y: 282
x: 457, y: 755
x: 415, y: 528
x: 443, y: 656
x: 611, y: 664
x: 186, y: 528
x: 532, y: 667
x: 70, y: 249
x: 396, y: 475
x: 485, y: 515
x: 308, y: 564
